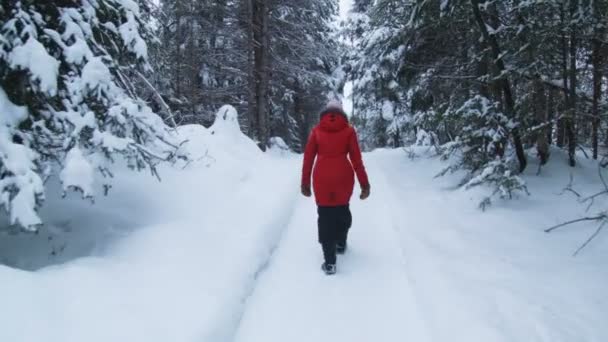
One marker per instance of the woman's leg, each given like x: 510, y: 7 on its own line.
x: 345, y: 223
x: 327, y: 232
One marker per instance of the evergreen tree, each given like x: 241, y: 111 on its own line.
x: 419, y: 62
x: 272, y: 60
x: 68, y: 105
x: 305, y: 55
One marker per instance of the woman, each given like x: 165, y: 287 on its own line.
x: 333, y: 142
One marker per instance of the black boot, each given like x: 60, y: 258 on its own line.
x: 329, y: 253
x: 341, y: 247
x: 329, y: 269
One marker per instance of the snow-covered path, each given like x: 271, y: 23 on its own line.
x: 425, y: 265
x: 370, y: 299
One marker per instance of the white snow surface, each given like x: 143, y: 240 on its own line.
x: 225, y: 249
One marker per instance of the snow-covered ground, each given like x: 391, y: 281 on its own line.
x: 224, y: 249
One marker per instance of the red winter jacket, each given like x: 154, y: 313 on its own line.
x: 330, y: 142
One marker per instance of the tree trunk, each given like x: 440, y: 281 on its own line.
x: 302, y: 125
x: 504, y: 82
x: 262, y: 62
x: 252, y: 79
x: 562, y: 122
x: 540, y: 113
x: 539, y: 99
x: 597, y: 93
x: 258, y: 92
x: 571, y: 122
x: 550, y: 114
x: 178, y: 57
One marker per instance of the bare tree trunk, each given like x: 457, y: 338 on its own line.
x: 562, y: 123
x: 178, y: 56
x: 302, y: 124
x: 262, y: 61
x: 571, y: 122
x: 550, y: 114
x: 506, y: 87
x: 252, y: 79
x: 597, y: 93
x: 258, y: 77
x: 193, y: 65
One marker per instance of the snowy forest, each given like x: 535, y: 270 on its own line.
x: 143, y: 139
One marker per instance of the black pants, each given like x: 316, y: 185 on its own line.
x: 334, y: 223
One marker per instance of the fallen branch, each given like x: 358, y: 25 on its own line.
x: 593, y: 236
x: 601, y: 216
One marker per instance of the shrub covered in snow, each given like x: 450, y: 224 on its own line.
x: 66, y: 102
x: 482, y: 149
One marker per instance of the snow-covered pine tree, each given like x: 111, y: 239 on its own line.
x: 406, y: 53
x: 424, y: 67
x: 201, y: 60
x: 538, y: 62
x: 479, y: 147
x: 355, y: 30
x: 67, y: 106
x: 304, y: 56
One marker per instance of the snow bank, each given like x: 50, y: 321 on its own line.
x: 153, y: 261
x: 277, y: 146
x: 496, y: 276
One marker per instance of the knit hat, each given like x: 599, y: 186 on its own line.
x: 334, y: 103
x: 333, y: 106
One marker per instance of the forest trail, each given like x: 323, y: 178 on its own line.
x: 422, y: 265
x: 369, y: 299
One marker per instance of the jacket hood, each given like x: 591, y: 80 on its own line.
x: 333, y: 120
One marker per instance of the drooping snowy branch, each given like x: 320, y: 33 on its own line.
x: 71, y: 113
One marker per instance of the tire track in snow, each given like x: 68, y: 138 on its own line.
x: 386, y: 192
x: 284, y: 222
x: 431, y: 242
x: 418, y: 256
x: 262, y: 268
x: 275, y: 228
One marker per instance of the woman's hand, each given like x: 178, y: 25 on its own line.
x: 365, y: 191
x: 305, y: 189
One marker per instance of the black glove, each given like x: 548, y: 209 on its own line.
x: 305, y: 189
x: 365, y: 191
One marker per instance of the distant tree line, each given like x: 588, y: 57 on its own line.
x: 271, y: 59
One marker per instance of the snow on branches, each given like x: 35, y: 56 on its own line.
x: 67, y: 105
x: 482, y: 149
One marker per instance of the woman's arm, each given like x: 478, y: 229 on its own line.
x: 310, y: 152
x: 354, y: 153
